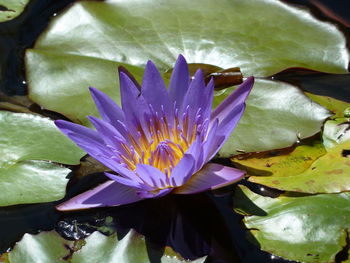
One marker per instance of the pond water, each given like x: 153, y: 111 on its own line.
x: 195, y: 225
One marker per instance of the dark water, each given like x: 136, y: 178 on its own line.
x: 193, y: 225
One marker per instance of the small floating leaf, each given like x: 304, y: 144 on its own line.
x: 9, y: 9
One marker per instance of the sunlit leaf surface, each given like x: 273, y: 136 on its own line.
x: 28, y: 146
x: 277, y: 116
x: 9, y: 9
x: 337, y: 107
x: 306, y: 229
x: 76, y: 53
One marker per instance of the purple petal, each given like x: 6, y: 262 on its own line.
x: 182, y: 171
x: 179, y: 81
x: 108, y: 109
x: 151, y: 175
x: 196, y: 150
x: 195, y: 93
x: 134, y: 104
x: 154, y: 90
x: 130, y: 179
x: 213, y: 142
x: 212, y: 176
x: 161, y: 192
x: 109, y: 193
x: 107, y: 132
x: 69, y: 128
x: 228, y: 113
x: 233, y: 102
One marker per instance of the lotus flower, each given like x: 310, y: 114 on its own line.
x: 161, y: 140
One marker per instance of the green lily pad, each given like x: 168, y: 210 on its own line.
x: 42, y: 248
x: 32, y: 182
x: 337, y: 107
x: 307, y: 229
x: 222, y: 33
x: 280, y: 163
x: 130, y: 249
x: 328, y: 174
x: 50, y: 247
x: 28, y: 146
x: 277, y: 116
x: 335, y: 132
x: 10, y: 9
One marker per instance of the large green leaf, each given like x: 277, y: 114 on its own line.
x: 328, y: 174
x: 50, y: 247
x: 307, y: 229
x: 277, y: 116
x: 9, y: 9
x: 28, y: 146
x: 73, y: 54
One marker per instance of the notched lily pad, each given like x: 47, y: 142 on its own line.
x: 29, y: 145
x: 50, y: 247
x: 307, y: 229
x: 327, y: 174
x: 9, y: 9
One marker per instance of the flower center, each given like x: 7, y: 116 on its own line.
x: 162, y: 143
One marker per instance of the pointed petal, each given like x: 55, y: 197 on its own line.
x: 196, y: 150
x: 151, y: 175
x: 212, y: 176
x: 109, y: 193
x: 179, y: 81
x: 213, y: 142
x: 129, y: 179
x: 108, y: 109
x: 182, y: 171
x: 154, y: 90
x: 233, y: 102
x: 69, y: 128
x: 227, y: 114
x: 194, y: 96
x: 134, y: 104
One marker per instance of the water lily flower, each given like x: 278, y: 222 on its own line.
x: 161, y: 140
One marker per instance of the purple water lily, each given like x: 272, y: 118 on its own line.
x: 161, y: 140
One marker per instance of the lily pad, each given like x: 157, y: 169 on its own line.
x: 280, y: 163
x: 306, y: 229
x: 277, y: 116
x: 130, y: 249
x: 328, y: 174
x: 337, y: 107
x: 73, y: 54
x: 42, y: 248
x: 10, y: 9
x: 336, y: 131
x: 28, y: 146
x: 50, y: 247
